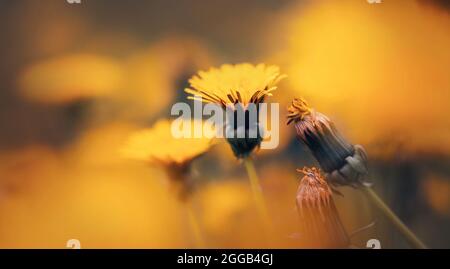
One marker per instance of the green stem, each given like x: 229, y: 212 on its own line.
x: 412, y: 239
x: 256, y: 190
x: 195, y: 227
x: 178, y: 176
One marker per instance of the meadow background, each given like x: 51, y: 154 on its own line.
x: 77, y: 79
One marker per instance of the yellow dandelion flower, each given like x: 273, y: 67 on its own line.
x: 238, y: 86
x: 231, y: 84
x: 158, y: 145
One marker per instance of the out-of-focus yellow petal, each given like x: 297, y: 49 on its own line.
x: 155, y: 75
x: 98, y: 145
x: 158, y: 144
x: 71, y: 77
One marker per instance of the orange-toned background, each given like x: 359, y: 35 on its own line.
x: 76, y: 80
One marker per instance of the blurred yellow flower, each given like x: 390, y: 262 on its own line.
x: 381, y: 73
x: 97, y: 146
x: 114, y: 206
x: 69, y: 78
x: 123, y: 86
x: 160, y: 146
x: 104, y: 205
x: 231, y: 84
x: 164, y: 65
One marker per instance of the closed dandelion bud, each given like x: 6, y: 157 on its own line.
x: 343, y: 163
x: 320, y: 225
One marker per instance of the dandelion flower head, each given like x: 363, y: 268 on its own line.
x: 232, y: 84
x: 158, y: 145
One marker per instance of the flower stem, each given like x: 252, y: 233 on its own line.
x: 412, y: 239
x: 257, y: 191
x: 180, y: 188
x: 195, y: 227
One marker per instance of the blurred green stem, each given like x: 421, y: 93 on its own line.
x: 179, y: 186
x: 195, y: 227
x: 412, y: 239
x: 257, y: 191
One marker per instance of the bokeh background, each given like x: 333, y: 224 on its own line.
x: 77, y: 79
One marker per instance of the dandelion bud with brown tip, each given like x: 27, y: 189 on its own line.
x: 344, y: 163
x: 320, y: 225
